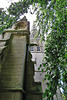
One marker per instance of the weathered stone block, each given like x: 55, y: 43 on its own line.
x: 11, y: 96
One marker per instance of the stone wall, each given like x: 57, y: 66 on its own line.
x: 4, y: 47
x: 12, y: 61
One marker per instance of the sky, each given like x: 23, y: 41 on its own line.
x: 5, y: 4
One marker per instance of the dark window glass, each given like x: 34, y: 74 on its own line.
x: 31, y: 48
x: 38, y: 48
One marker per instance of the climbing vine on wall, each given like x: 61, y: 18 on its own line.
x: 51, y: 20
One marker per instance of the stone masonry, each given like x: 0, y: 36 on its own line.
x: 16, y: 66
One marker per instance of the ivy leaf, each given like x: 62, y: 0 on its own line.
x: 44, y: 65
x: 39, y: 67
x: 46, y: 75
x: 47, y: 68
x: 42, y: 70
x: 66, y: 55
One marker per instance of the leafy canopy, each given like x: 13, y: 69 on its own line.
x: 51, y: 18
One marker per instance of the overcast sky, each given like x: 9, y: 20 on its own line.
x: 5, y: 4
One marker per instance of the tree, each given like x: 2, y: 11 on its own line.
x: 51, y: 15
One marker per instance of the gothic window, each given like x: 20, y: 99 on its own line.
x: 38, y: 48
x: 31, y: 48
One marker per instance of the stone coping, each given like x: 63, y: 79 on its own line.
x: 4, y: 40
x: 16, y: 31
x: 36, y: 52
x: 7, y: 35
x: 11, y: 89
x: 19, y: 32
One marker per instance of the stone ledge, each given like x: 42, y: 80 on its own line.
x: 19, y: 32
x: 4, y: 40
x: 13, y: 30
x: 12, y: 90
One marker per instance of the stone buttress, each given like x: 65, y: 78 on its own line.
x: 16, y: 66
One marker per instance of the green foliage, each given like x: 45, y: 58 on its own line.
x: 18, y: 8
x: 6, y: 21
x: 51, y: 18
